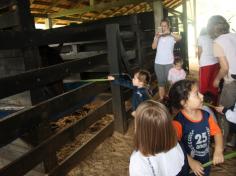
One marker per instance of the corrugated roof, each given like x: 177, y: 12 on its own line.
x: 67, y: 11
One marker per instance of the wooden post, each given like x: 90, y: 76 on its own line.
x: 138, y: 33
x: 32, y: 60
x: 185, y: 37
x: 48, y: 23
x: 158, y: 13
x: 112, y: 32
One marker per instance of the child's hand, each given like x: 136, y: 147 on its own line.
x: 219, y: 109
x: 196, y: 166
x: 111, y: 78
x: 218, y: 157
x: 133, y: 113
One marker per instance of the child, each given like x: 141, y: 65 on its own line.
x: 139, y: 84
x: 157, y: 151
x: 176, y: 73
x: 194, y: 126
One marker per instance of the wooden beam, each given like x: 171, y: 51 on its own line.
x: 16, y: 124
x: 5, y: 22
x: 112, y: 33
x: 6, y: 3
x: 176, y: 4
x: 25, y: 163
x: 22, y: 39
x: 40, y: 77
x: 40, y: 15
x: 91, y: 2
x: 98, y: 7
x: 26, y: 21
x: 81, y: 153
x: 185, y: 36
x: 44, y: 3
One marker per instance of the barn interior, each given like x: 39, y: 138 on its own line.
x: 56, y: 107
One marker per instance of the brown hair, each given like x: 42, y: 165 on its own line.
x: 178, y: 61
x: 180, y: 91
x: 217, y: 25
x: 154, y: 132
x: 166, y: 21
x: 144, y: 76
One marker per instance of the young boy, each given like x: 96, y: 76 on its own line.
x: 139, y: 85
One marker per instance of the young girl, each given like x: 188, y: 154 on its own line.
x: 176, y: 73
x: 157, y: 151
x: 195, y: 126
x: 139, y: 84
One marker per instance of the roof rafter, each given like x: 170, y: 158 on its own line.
x: 98, y: 7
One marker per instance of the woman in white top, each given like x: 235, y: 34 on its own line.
x: 157, y: 151
x: 164, y: 43
x: 209, y: 66
x: 224, y: 48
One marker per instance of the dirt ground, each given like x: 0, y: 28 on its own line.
x: 111, y: 158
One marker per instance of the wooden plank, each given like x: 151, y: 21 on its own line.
x: 25, y: 19
x: 124, y: 57
x: 22, y: 39
x: 139, y: 50
x: 44, y: 3
x: 82, y: 32
x: 98, y: 7
x: 5, y: 22
x: 20, y: 122
x: 25, y: 163
x: 127, y: 35
x: 112, y: 32
x: 43, y: 76
x: 6, y: 3
x: 78, y: 155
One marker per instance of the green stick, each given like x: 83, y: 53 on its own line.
x: 210, y: 105
x: 94, y: 80
x: 227, y: 156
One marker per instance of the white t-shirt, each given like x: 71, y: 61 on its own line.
x: 175, y: 75
x: 164, y: 164
x: 207, y: 56
x: 227, y: 42
x: 165, y: 48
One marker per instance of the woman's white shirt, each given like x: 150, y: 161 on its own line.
x: 207, y: 56
x: 165, y: 164
x: 165, y: 48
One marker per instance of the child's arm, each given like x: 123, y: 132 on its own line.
x: 155, y: 40
x: 216, y: 132
x: 196, y: 166
x: 121, y: 81
x: 218, y: 153
x: 230, y: 113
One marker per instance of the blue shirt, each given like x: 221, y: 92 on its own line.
x: 139, y: 94
x: 196, y: 137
